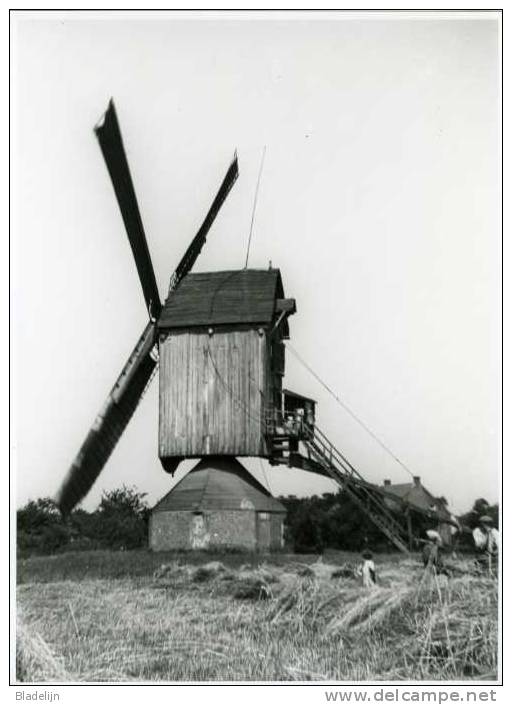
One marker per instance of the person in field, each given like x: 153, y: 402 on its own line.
x: 432, y: 552
x: 368, y: 570
x: 486, y: 539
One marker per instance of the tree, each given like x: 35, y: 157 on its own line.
x: 122, y: 518
x: 40, y: 527
x: 120, y: 521
x: 471, y: 519
x: 329, y: 521
x: 124, y: 500
x: 480, y: 508
x: 37, y: 513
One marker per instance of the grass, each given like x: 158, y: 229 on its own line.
x: 106, y: 564
x: 137, y: 616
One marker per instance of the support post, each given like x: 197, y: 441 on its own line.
x: 409, y: 528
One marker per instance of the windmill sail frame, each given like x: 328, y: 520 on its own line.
x: 142, y: 364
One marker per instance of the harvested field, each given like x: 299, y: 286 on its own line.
x: 239, y: 618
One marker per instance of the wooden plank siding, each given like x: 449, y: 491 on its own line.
x: 213, y: 393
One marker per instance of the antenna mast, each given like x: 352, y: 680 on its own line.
x: 254, y: 205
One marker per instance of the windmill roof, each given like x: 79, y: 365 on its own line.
x: 218, y: 483
x: 296, y: 395
x: 217, y: 298
x: 418, y: 495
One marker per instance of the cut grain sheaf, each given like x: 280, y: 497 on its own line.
x: 269, y: 622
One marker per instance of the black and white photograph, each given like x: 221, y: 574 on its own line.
x: 256, y: 347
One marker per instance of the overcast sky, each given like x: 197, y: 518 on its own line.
x: 379, y: 201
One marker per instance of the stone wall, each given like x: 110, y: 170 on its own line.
x: 276, y: 531
x: 188, y: 530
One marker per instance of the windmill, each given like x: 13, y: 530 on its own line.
x: 219, y: 340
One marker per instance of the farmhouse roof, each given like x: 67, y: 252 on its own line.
x: 217, y: 298
x: 218, y: 483
x: 415, y: 493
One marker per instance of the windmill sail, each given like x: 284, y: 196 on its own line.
x: 110, y: 422
x: 142, y: 363
x: 111, y: 144
x: 193, y: 250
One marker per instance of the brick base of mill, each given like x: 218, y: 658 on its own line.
x: 243, y: 529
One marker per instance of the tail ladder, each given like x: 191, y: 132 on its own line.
x: 360, y: 492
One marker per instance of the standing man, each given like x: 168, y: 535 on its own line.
x: 486, y: 539
x: 432, y: 558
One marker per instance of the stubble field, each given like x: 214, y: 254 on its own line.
x: 136, y: 616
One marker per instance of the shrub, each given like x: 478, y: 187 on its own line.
x: 40, y: 527
x: 120, y: 522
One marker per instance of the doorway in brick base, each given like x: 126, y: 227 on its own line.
x: 263, y: 530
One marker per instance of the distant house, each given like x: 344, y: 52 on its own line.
x: 218, y: 504
x: 416, y: 494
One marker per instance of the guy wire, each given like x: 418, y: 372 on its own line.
x: 347, y: 409
x: 254, y: 205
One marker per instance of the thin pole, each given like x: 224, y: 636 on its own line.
x: 254, y: 205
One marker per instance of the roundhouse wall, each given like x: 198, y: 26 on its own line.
x: 276, y: 531
x: 186, y: 530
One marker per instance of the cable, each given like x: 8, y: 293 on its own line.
x: 267, y: 481
x: 254, y: 204
x: 244, y: 409
x: 237, y: 400
x: 348, y: 410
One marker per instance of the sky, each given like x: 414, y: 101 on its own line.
x: 380, y: 202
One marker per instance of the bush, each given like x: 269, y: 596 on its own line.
x: 122, y: 519
x: 40, y: 528
x: 120, y: 522
x: 333, y: 521
x: 330, y: 521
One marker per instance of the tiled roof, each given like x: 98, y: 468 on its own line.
x: 218, y: 483
x: 418, y: 495
x: 222, y: 298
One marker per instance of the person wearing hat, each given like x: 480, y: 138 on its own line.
x: 486, y: 539
x: 432, y: 558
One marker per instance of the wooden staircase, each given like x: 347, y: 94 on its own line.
x: 279, y: 450
x: 323, y: 457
